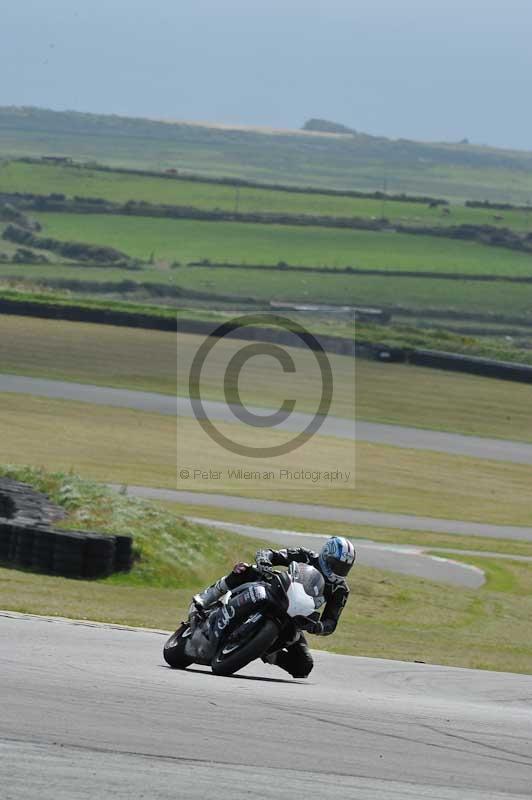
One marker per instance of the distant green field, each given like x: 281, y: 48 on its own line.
x: 354, y: 162
x: 42, y: 273
x: 190, y: 240
x: 465, y: 296
x: 117, y: 187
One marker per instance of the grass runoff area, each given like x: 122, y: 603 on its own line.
x: 122, y: 187
x: 184, y: 241
x: 132, y: 358
x: 139, y: 448
x: 361, y: 161
x: 387, y: 616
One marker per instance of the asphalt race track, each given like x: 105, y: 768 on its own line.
x: 397, y: 435
x: 91, y: 711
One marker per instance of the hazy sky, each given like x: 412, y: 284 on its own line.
x: 421, y: 69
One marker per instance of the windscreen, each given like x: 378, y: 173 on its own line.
x: 311, y: 580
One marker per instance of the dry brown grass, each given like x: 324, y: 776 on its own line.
x: 146, y: 360
x: 132, y: 447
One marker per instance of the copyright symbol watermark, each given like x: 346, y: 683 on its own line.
x: 275, y: 333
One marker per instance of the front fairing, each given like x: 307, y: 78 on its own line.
x: 300, y: 604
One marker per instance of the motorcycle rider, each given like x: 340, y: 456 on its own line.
x: 334, y: 561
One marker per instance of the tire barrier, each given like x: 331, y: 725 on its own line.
x: 28, y: 540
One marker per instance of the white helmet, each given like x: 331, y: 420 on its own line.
x: 337, y: 556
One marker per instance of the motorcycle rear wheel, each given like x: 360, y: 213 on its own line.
x: 226, y: 663
x: 174, y: 648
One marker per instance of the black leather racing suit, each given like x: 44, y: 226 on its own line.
x: 296, y: 658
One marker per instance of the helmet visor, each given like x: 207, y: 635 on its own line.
x: 340, y: 568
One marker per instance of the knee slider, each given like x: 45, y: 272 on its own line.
x: 300, y: 673
x: 303, y: 670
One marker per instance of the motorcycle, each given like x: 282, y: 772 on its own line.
x: 255, y: 619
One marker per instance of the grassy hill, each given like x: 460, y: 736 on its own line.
x: 360, y: 161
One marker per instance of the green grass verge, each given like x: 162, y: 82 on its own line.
x: 191, y: 240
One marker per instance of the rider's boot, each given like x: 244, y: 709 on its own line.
x: 270, y: 658
x: 210, y: 595
x: 204, y: 600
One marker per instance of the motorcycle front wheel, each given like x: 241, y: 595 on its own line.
x: 234, y: 655
x: 174, y: 648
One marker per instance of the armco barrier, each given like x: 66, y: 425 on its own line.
x: 73, y: 313
x: 27, y: 538
x: 454, y: 362
x: 472, y: 365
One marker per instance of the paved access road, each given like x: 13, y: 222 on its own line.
x: 349, y: 516
x: 93, y: 712
x: 407, y: 560
x: 397, y: 435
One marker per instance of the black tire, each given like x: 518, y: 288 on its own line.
x: 257, y: 644
x: 43, y: 550
x: 98, y: 567
x: 5, y: 541
x: 24, y: 548
x: 67, y: 566
x: 124, y: 553
x: 42, y: 558
x: 98, y: 546
x: 174, y: 648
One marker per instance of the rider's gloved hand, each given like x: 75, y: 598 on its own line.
x: 310, y: 624
x: 316, y: 628
x: 263, y: 558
